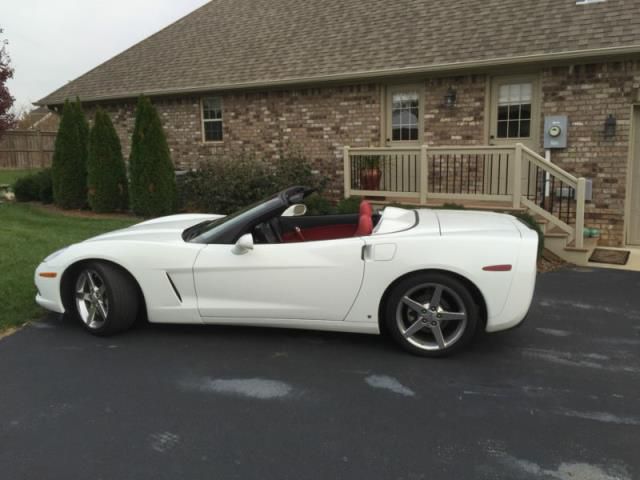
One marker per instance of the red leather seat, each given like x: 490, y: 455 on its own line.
x: 365, y: 223
x: 365, y: 208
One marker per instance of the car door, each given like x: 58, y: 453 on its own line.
x: 308, y: 281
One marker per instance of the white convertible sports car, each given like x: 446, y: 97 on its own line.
x: 429, y: 278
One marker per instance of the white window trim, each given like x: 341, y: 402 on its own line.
x: 203, y: 120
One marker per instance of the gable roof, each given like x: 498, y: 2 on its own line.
x: 234, y: 43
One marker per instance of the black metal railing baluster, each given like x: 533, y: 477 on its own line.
x: 453, y: 186
x: 552, y: 194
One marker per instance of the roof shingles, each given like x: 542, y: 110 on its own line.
x: 228, y: 42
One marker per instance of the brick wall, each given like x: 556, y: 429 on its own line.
x: 461, y: 125
x: 588, y: 94
x: 319, y: 122
x: 315, y: 122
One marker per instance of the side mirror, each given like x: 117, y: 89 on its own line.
x: 243, y: 245
x: 297, y: 210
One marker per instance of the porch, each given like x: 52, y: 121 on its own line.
x: 505, y: 178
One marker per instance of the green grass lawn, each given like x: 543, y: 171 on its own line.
x: 8, y: 177
x: 28, y: 234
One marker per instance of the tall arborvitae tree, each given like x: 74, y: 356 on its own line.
x: 83, y: 128
x: 69, y: 168
x: 106, y: 172
x: 7, y: 118
x: 151, y: 173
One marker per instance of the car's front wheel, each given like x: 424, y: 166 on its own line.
x: 432, y: 314
x: 105, y: 298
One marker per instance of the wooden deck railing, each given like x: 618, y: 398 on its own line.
x: 514, y: 175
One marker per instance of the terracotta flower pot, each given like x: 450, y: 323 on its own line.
x: 370, y: 178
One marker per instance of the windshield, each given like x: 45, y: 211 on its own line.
x: 206, y: 232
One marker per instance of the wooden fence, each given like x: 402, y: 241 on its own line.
x: 26, y: 149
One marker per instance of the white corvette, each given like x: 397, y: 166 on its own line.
x: 429, y: 278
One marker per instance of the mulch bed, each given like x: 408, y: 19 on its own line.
x: 550, y: 262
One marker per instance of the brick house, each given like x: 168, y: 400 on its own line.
x: 388, y: 78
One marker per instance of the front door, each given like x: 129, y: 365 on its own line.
x: 633, y: 230
x: 514, y: 118
x: 308, y: 281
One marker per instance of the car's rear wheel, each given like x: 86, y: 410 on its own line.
x: 432, y: 314
x: 105, y: 298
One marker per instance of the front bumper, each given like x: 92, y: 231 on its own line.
x: 48, y: 295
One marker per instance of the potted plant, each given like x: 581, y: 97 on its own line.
x: 370, y: 173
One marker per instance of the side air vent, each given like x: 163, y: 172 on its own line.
x: 173, y: 285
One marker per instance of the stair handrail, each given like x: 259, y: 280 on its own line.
x: 579, y: 183
x: 546, y: 165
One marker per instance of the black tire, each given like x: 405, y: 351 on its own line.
x: 121, y: 295
x: 399, y: 316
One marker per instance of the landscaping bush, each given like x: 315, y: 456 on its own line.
x: 106, y: 171
x: 294, y: 169
x: 153, y: 184
x: 451, y: 206
x: 45, y: 186
x: 225, y: 186
x: 69, y: 168
x: 318, y: 205
x: 35, y: 187
x: 231, y: 183
x: 26, y: 189
x: 531, y: 222
x: 349, y: 205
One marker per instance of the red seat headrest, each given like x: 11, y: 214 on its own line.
x: 365, y: 226
x: 365, y: 208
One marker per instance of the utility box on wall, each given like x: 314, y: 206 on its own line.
x: 555, y: 131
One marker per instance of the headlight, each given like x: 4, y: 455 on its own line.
x: 55, y: 254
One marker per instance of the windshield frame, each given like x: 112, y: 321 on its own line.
x: 227, y: 230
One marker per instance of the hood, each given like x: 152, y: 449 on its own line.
x: 454, y: 222
x: 164, y: 229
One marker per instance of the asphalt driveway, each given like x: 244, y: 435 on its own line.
x: 558, y: 398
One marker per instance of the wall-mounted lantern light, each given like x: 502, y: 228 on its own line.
x: 450, y: 98
x: 610, y: 126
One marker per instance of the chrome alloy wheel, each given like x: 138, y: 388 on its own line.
x: 91, y: 299
x: 431, y: 316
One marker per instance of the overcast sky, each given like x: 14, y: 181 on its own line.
x: 54, y: 41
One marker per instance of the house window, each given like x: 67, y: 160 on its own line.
x: 212, y: 119
x: 514, y: 110
x: 405, y: 116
